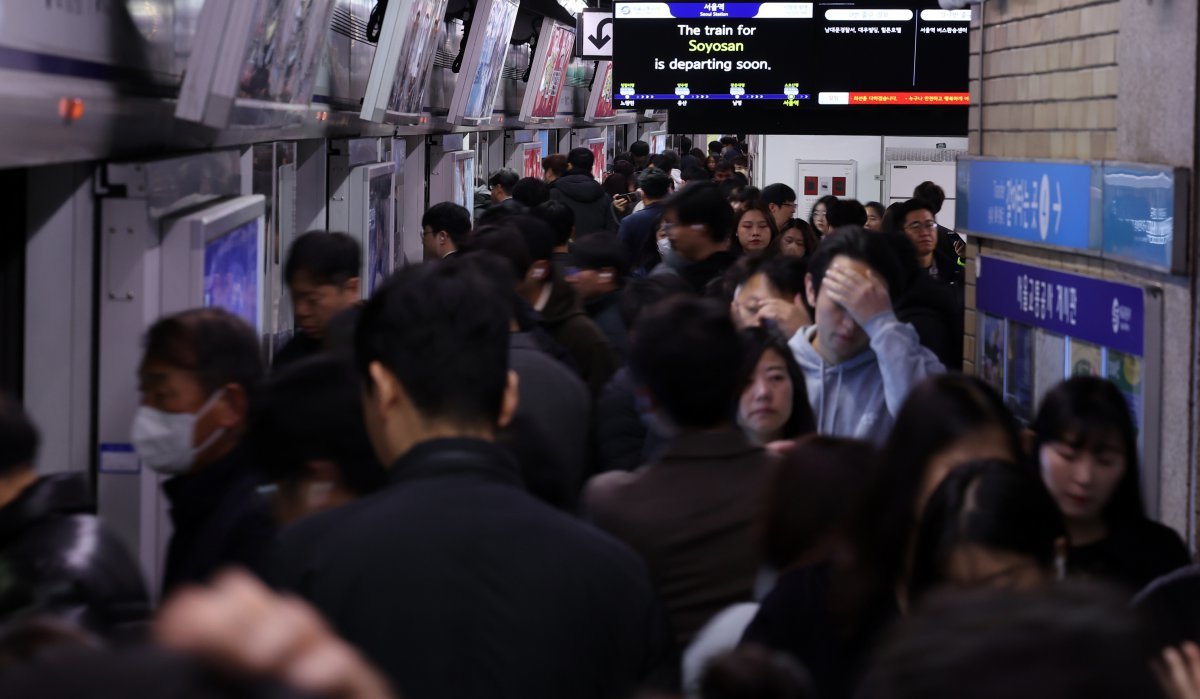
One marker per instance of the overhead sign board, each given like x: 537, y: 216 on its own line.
x: 1144, y: 215
x: 1037, y: 202
x: 593, y: 35
x: 1132, y: 212
x: 1106, y: 313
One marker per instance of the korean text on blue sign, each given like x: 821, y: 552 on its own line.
x: 1101, y: 312
x: 1139, y: 215
x: 1037, y: 202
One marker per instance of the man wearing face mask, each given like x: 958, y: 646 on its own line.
x: 196, y: 377
x: 655, y: 186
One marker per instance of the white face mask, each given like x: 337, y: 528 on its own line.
x: 664, y: 247
x: 164, y: 440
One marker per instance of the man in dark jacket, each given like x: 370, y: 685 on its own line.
x: 56, y: 558
x: 655, y: 185
x: 197, y: 375
x: 586, y: 197
x: 699, y: 222
x: 322, y: 276
x: 531, y: 252
x: 453, y: 580
x: 598, y: 275
x: 691, y: 513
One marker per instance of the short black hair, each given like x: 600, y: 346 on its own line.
x: 328, y: 258
x: 893, y: 220
x: 502, y: 211
x: 687, y: 354
x: 531, y: 191
x: 581, y: 159
x: 932, y: 193
x: 215, y: 345
x: 19, y: 437
x: 538, y: 235
x: 450, y: 217
x: 777, y: 194
x: 696, y: 173
x: 655, y: 182
x: 601, y: 250
x: 556, y: 163
x: 560, y: 218
x: 992, y: 504
x: 702, y: 203
x: 714, y: 147
x: 644, y: 292
x: 443, y: 332
x: 639, y: 149
x: 505, y: 178
x: 308, y: 411
x: 785, y: 274
x: 1066, y: 641
x: 848, y: 212
x: 755, y: 672
x: 504, y: 241
x: 724, y: 166
x: 859, y: 244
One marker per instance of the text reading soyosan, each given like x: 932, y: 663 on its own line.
x: 696, y: 46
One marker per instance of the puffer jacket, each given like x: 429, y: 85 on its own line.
x: 584, y: 196
x: 58, y: 560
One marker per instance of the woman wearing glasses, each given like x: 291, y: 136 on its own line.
x: 819, y: 218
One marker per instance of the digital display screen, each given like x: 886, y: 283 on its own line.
x: 828, y: 66
x: 281, y: 61
x: 231, y: 275
x: 379, y: 232
x: 497, y: 27
x: 600, y: 104
x: 556, y: 55
x: 416, y: 56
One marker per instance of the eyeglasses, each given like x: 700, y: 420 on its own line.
x: 928, y: 225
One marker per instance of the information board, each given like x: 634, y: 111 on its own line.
x: 1140, y: 214
x: 1038, y: 202
x: 1131, y: 212
x: 796, y: 67
x: 1038, y: 326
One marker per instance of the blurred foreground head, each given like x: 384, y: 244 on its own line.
x: 1070, y: 641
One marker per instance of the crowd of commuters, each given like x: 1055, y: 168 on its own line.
x: 698, y: 443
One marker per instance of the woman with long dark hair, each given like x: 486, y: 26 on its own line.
x: 755, y: 233
x: 830, y: 615
x: 774, y: 402
x: 1086, y: 450
x: 989, y: 523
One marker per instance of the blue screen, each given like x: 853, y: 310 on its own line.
x: 231, y: 274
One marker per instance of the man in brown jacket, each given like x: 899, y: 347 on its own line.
x: 690, y: 513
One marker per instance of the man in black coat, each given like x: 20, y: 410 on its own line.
x: 584, y: 195
x: 454, y: 580
x: 56, y: 558
x: 598, y: 275
x: 197, y: 376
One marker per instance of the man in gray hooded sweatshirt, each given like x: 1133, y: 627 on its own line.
x: 859, y: 361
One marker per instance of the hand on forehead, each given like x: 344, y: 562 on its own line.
x: 853, y: 268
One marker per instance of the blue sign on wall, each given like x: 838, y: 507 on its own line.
x: 1105, y: 313
x: 1139, y: 215
x: 1047, y: 203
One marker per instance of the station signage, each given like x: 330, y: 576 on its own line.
x: 1130, y: 212
x: 1105, y: 313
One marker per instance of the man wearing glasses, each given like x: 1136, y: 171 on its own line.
x: 918, y: 221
